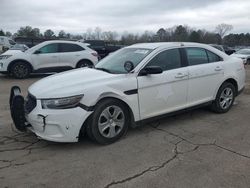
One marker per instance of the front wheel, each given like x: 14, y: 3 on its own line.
x: 224, y: 98
x: 109, y: 121
x: 20, y: 70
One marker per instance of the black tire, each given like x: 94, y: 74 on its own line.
x: 219, y: 105
x: 84, y: 63
x: 248, y: 62
x: 20, y: 70
x: 105, y: 136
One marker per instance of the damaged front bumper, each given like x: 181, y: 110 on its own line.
x: 56, y: 125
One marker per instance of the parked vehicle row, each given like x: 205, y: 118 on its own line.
x: 135, y: 84
x: 244, y: 54
x: 223, y: 48
x: 101, y: 47
x: 50, y: 56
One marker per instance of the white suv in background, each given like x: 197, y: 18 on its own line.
x: 49, y: 56
x: 132, y: 85
x: 5, y: 43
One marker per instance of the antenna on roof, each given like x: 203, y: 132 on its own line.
x: 182, y: 44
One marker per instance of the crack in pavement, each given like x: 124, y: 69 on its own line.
x: 175, y: 156
x: 196, y: 144
x: 16, y: 139
x: 153, y: 168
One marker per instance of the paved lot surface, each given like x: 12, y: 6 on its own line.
x: 194, y: 149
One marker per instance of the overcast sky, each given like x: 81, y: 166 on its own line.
x: 76, y: 16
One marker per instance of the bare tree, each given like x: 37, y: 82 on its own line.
x: 223, y: 28
x: 89, y: 34
x: 98, y: 33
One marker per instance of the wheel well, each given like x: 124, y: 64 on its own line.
x: 86, y: 60
x: 125, y: 104
x: 234, y: 82
x: 131, y: 115
x: 18, y: 60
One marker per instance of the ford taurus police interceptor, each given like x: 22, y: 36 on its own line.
x: 135, y: 84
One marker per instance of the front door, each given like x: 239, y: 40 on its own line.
x: 46, y: 57
x: 165, y: 92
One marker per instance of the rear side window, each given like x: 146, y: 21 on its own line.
x: 196, y: 56
x: 167, y: 60
x: 212, y: 57
x: 50, y: 48
x: 66, y: 47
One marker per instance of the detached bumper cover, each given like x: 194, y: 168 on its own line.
x: 54, y: 125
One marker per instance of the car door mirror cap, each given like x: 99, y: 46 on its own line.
x: 151, y: 70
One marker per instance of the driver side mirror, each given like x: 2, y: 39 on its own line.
x: 37, y: 52
x: 151, y: 70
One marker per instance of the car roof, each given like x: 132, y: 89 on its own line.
x: 155, y: 45
x: 59, y: 41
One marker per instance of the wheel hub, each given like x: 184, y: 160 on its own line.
x: 226, y: 98
x: 111, y: 121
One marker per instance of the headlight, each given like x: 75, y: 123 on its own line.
x: 61, y: 103
x: 5, y: 56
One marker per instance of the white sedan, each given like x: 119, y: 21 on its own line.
x: 49, y: 56
x: 243, y: 54
x: 133, y: 85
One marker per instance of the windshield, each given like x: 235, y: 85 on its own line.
x: 114, y: 63
x: 245, y: 51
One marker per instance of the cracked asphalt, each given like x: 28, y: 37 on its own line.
x: 193, y: 149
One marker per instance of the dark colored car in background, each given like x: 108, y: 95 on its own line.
x: 102, y: 48
x: 223, y: 48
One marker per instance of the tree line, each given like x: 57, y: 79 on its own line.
x: 182, y: 33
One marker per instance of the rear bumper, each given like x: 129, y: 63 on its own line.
x: 53, y: 125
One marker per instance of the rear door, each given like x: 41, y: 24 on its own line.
x: 165, y: 92
x: 70, y: 54
x: 205, y: 74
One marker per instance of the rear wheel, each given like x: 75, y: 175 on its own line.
x: 20, y: 70
x: 224, y: 98
x: 109, y: 122
x: 84, y: 63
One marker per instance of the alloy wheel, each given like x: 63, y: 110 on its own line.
x: 226, y: 98
x: 111, y: 121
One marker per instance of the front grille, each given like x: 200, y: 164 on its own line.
x: 30, y: 103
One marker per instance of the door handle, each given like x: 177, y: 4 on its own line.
x: 181, y: 75
x: 54, y: 56
x: 218, y: 69
x: 77, y: 55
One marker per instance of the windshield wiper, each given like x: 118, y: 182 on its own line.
x: 103, y: 69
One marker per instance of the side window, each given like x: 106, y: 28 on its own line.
x: 66, y: 47
x: 167, y: 60
x: 50, y: 48
x: 212, y: 57
x: 196, y: 56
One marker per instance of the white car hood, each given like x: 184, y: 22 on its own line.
x: 12, y: 52
x: 69, y: 83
